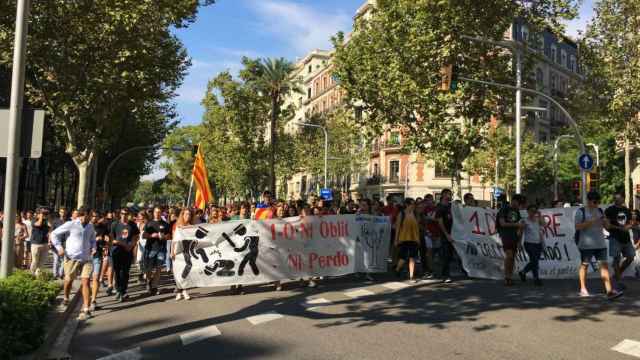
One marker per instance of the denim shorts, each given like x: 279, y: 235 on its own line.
x: 587, y: 254
x: 619, y: 250
x: 97, y: 266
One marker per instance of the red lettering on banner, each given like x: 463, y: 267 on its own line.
x: 474, y: 219
x: 556, y: 224
x: 273, y: 232
x: 319, y: 261
x: 324, y: 229
x: 289, y: 232
x: 295, y: 262
x: 306, y: 230
x: 334, y: 230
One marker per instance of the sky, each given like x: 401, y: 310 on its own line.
x: 231, y: 29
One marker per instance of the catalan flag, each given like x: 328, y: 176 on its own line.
x: 263, y: 212
x: 199, y: 173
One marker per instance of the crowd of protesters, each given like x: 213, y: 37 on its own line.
x: 100, y: 248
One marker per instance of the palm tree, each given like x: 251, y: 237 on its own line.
x: 276, y: 81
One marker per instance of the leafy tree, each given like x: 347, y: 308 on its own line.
x: 276, y: 82
x: 536, y: 164
x: 611, y: 56
x: 102, y: 67
x: 392, y: 62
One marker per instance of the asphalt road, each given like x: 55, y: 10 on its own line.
x: 349, y: 318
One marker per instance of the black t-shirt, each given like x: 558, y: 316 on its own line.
x: 154, y: 227
x: 444, y: 212
x: 39, y: 234
x: 619, y: 216
x: 124, y: 233
x: 101, y: 230
x: 510, y: 215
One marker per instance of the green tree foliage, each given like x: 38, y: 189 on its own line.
x: 103, y: 68
x: 536, y: 163
x: 274, y: 80
x: 611, y: 58
x: 391, y: 65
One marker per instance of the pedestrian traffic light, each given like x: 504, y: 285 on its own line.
x: 449, y: 78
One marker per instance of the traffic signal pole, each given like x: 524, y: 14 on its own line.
x: 15, y: 123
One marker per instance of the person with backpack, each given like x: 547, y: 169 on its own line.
x: 590, y: 222
x: 509, y: 228
x: 407, y: 237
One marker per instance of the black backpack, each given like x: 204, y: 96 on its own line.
x: 576, y: 235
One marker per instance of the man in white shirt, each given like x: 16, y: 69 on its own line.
x: 80, y: 248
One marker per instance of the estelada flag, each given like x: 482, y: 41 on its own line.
x: 199, y: 173
x: 263, y: 212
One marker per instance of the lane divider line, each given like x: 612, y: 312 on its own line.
x: 628, y: 347
x: 263, y: 318
x: 131, y: 354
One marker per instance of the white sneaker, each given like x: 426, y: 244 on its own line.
x: 186, y: 295
x: 178, y: 296
x: 584, y: 293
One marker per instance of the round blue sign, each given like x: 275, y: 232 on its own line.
x: 585, y: 161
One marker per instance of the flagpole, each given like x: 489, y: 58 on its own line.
x: 190, y: 191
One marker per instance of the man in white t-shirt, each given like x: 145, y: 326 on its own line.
x: 533, y: 243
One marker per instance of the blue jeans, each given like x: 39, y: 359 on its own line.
x: 58, y: 269
x: 168, y: 261
x: 533, y: 251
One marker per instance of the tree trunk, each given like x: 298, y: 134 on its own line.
x: 457, y: 183
x: 84, y: 164
x: 627, y: 169
x: 273, y: 138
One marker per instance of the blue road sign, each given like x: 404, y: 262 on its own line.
x: 326, y: 194
x: 585, y: 161
x: 497, y: 191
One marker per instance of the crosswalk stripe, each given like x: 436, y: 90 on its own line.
x: 263, y: 318
x: 358, y: 293
x: 628, y: 347
x: 131, y: 354
x: 199, y: 335
x: 311, y: 304
x: 395, y: 285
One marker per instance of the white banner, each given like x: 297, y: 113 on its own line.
x: 253, y: 252
x: 480, y: 249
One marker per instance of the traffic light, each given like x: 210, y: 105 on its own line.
x: 593, y: 179
x: 449, y: 78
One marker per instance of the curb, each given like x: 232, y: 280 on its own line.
x: 54, y: 323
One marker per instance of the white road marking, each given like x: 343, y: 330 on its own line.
x: 358, y: 293
x: 263, y: 318
x: 628, y: 347
x: 200, y: 334
x: 395, y: 285
x: 131, y: 354
x: 312, y: 304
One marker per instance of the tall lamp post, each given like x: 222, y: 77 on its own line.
x: 13, y: 151
x: 122, y: 154
x: 326, y: 146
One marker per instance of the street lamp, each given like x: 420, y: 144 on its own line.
x: 555, y: 164
x: 326, y: 146
x: 135, y: 148
x: 13, y: 147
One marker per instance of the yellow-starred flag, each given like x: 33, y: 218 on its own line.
x: 203, y: 191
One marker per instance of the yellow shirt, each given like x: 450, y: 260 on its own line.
x: 409, y: 230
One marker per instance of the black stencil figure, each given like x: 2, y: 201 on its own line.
x: 225, y: 267
x: 189, y: 251
x: 250, y: 257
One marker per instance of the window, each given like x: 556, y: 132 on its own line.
x: 441, y: 171
x: 563, y: 58
x: 572, y: 63
x: 394, y: 138
x: 310, y: 69
x: 553, y: 80
x: 394, y: 171
x: 524, y: 33
x: 539, y: 78
x: 375, y: 169
x: 553, y: 53
x: 358, y: 114
x: 303, y: 185
x: 309, y: 93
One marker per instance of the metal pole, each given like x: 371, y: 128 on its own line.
x: 597, y: 150
x: 495, y: 182
x: 190, y: 191
x: 15, y: 123
x: 406, y: 180
x: 572, y: 122
x: 326, y: 155
x: 518, y: 119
